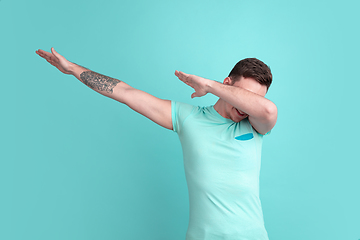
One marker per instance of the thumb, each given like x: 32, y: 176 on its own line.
x: 194, y: 95
x: 55, y: 53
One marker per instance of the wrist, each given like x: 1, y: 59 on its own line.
x: 76, y: 69
x: 209, y: 85
x: 72, y: 68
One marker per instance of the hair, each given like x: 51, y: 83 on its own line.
x: 252, y: 68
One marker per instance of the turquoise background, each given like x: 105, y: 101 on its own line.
x: 77, y: 165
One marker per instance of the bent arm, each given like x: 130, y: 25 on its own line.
x: 262, y: 112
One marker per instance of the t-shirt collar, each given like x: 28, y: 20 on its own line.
x: 218, y: 116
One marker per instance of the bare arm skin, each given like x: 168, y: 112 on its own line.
x: 262, y: 112
x: 156, y: 109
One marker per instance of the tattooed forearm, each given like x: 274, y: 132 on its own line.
x: 98, y: 82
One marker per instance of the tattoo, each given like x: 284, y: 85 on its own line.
x: 98, y: 82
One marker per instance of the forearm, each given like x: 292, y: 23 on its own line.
x: 156, y: 109
x: 251, y: 103
x: 76, y: 70
x: 100, y: 83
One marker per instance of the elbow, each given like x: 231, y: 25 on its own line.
x: 266, y: 121
x: 271, y: 113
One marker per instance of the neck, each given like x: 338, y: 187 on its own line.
x: 220, y: 107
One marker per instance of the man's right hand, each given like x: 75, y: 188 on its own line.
x: 56, y: 60
x: 156, y: 109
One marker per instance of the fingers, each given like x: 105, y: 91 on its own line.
x: 51, y: 61
x: 57, y: 55
x: 181, y: 75
x: 41, y: 53
x: 49, y: 57
x: 177, y: 73
x: 46, y: 55
x: 53, y: 56
x: 55, y: 52
x: 198, y: 94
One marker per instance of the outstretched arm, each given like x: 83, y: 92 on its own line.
x: 262, y: 112
x: 156, y: 109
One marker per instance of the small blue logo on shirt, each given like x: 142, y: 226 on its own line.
x: 244, y: 137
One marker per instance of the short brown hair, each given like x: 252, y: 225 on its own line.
x: 252, y: 68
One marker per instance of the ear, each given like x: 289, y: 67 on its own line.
x: 227, y: 81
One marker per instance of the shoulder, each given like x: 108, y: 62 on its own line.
x: 182, y: 108
x: 180, y: 112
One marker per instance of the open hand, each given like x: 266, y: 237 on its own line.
x: 56, y: 60
x: 199, y: 84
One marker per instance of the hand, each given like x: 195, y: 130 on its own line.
x: 56, y: 60
x: 199, y: 84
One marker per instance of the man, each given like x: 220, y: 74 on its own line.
x: 221, y: 143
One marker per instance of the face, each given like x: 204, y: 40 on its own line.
x: 249, y: 84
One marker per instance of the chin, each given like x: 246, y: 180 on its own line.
x: 238, y: 118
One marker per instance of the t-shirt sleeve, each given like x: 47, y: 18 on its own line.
x: 179, y: 112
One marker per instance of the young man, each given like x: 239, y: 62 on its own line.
x: 221, y: 143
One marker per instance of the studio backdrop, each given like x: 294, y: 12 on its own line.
x: 76, y: 165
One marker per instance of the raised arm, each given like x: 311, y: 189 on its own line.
x: 156, y: 109
x: 262, y: 113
